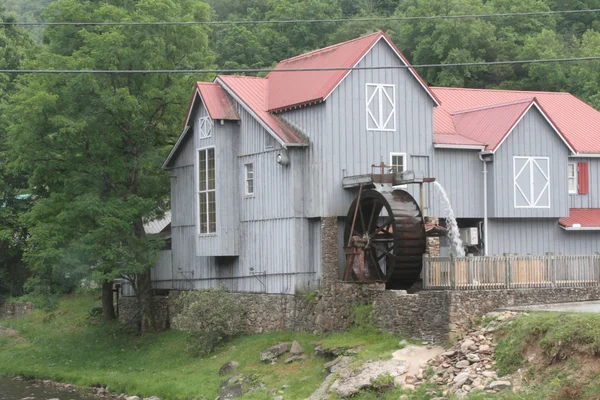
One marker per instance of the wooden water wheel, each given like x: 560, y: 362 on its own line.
x: 385, y: 239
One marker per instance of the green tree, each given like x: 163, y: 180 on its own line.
x: 94, y: 143
x: 14, y: 47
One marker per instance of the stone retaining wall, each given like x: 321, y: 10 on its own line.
x: 435, y: 316
x: 14, y: 309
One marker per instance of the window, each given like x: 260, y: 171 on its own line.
x: 249, y: 180
x: 381, y: 107
x: 269, y: 142
x: 397, y: 162
x: 572, y: 175
x: 205, y: 125
x: 532, y: 182
x: 207, y: 203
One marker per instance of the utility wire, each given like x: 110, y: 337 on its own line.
x: 257, y: 70
x: 301, y: 21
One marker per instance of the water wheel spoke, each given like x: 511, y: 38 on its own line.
x: 376, y: 265
x: 386, y: 224
x: 362, y: 219
x: 371, y: 217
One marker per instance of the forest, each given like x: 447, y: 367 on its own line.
x: 80, y: 155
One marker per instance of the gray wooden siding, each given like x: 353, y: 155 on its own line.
x: 538, y: 237
x: 460, y: 172
x: 591, y: 200
x: 533, y: 136
x: 342, y: 146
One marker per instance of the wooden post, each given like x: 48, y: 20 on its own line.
x: 507, y: 275
x: 552, y: 268
x: 470, y: 268
x: 597, y: 258
x: 426, y: 266
x: 452, y: 271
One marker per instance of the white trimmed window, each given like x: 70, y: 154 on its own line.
x: 572, y: 175
x: 397, y: 162
x: 205, y: 125
x: 207, y: 202
x: 249, y: 174
x: 532, y: 182
x: 381, y: 107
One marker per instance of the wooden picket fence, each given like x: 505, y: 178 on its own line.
x: 510, y: 272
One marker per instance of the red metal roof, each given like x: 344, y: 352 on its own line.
x: 217, y: 101
x: 581, y: 217
x: 455, y: 139
x: 290, y: 89
x: 582, y: 132
x: 251, y: 91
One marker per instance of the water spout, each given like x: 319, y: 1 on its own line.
x: 453, y: 232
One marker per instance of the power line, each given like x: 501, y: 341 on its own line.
x: 257, y: 70
x: 299, y: 21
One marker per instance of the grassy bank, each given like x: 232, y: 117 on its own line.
x: 67, y: 346
x: 556, y: 355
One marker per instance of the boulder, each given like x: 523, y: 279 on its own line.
x: 232, y: 392
x: 271, y: 354
x: 462, y: 364
x: 229, y: 367
x: 461, y: 378
x: 499, y: 385
x: 296, y: 349
x: 350, y: 381
x: 238, y: 378
x: 295, y: 358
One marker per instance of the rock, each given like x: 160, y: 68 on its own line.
x: 461, y: 378
x: 466, y: 388
x: 484, y: 348
x: 462, y: 364
x: 231, y: 381
x: 403, y: 342
x: 295, y: 358
x: 149, y: 398
x: 296, y: 349
x: 465, y: 345
x: 410, y: 379
x: 232, y: 392
x: 489, y: 374
x: 274, y: 352
x: 473, y: 357
x: 449, y: 354
x: 128, y: 398
x: 350, y: 382
x: 229, y: 367
x: 330, y: 364
x: 499, y: 385
x: 408, y: 387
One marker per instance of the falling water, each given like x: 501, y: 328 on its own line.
x: 453, y: 232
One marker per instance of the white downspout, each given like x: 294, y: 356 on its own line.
x: 485, y: 202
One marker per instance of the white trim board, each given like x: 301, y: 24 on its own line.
x: 458, y: 147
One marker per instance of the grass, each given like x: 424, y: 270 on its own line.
x: 66, y: 346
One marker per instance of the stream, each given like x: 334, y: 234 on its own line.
x: 17, y: 390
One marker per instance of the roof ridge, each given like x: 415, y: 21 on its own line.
x: 496, y: 105
x: 328, y: 48
x: 240, y: 76
x: 498, y: 90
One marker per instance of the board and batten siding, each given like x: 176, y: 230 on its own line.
x: 341, y: 145
x: 460, y: 172
x: 538, y: 236
x: 532, y: 137
x: 592, y: 199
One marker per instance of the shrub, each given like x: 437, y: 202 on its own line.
x: 209, y: 317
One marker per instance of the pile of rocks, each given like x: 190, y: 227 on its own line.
x: 272, y: 354
x: 469, y: 365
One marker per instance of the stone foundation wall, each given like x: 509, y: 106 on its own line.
x: 436, y: 316
x: 14, y: 309
x: 129, y: 311
x: 329, y: 249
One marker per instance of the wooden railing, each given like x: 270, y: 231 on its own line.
x: 510, y: 272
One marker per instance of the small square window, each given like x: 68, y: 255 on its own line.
x: 397, y: 162
x: 249, y: 179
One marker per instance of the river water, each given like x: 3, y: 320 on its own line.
x: 16, y: 390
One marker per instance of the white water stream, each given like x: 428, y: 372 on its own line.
x: 453, y: 232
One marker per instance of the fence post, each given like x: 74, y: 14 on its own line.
x: 426, y: 271
x: 507, y: 276
x: 452, y: 271
x: 552, y: 268
x: 470, y: 268
x: 597, y: 259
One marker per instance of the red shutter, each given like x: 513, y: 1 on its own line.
x: 583, y: 177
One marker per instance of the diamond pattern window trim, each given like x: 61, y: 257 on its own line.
x: 532, y: 182
x: 381, y: 107
x: 205, y: 127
